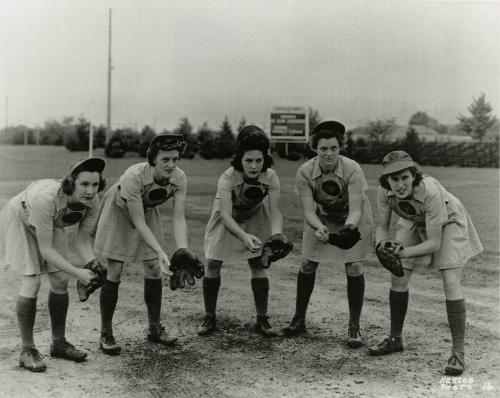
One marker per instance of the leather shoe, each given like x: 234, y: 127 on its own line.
x: 296, y: 327
x: 387, y: 346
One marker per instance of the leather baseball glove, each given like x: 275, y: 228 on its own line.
x: 387, y: 251
x: 346, y: 237
x: 276, y: 247
x: 185, y: 266
x: 100, y: 271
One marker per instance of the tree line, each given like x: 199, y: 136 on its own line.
x: 220, y: 143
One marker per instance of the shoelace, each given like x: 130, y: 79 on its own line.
x: 110, y: 340
x: 37, y: 356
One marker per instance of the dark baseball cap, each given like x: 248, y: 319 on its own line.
x: 169, y: 142
x: 331, y: 125
x: 89, y: 164
x: 396, y: 161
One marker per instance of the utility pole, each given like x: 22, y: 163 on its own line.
x: 110, y: 67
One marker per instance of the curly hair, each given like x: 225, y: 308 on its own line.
x: 326, y: 133
x: 252, y: 138
x: 416, y: 173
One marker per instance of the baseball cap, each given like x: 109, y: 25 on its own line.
x: 89, y: 164
x: 396, y: 161
x: 169, y: 141
x: 332, y: 125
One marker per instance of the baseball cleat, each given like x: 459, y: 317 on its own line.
x: 297, y: 326
x: 65, y: 350
x: 109, y: 346
x: 456, y: 365
x: 31, y: 359
x: 354, y: 337
x: 387, y: 346
x: 208, y: 326
x: 264, y: 328
x: 158, y: 334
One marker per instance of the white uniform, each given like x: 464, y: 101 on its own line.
x: 250, y: 211
x: 431, y: 205
x: 116, y: 236
x: 42, y: 206
x: 331, y: 196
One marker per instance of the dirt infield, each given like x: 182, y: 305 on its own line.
x: 236, y: 362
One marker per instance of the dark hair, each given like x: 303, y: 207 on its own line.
x: 68, y: 183
x: 252, y: 138
x: 416, y: 173
x: 326, y: 133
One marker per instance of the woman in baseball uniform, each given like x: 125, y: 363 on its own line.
x: 245, y: 213
x: 435, y: 230
x: 34, y: 241
x: 332, y: 190
x: 130, y: 230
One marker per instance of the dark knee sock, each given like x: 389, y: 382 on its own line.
x: 305, y: 286
x: 456, y: 319
x: 399, y: 305
x: 210, y: 293
x: 260, y: 289
x: 355, y: 296
x: 107, y: 301
x: 152, y: 296
x: 26, y: 311
x: 58, y: 309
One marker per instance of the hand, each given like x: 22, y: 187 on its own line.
x: 252, y: 243
x: 322, y: 234
x: 85, y: 276
x: 164, y: 264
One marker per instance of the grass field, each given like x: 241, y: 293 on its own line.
x: 236, y: 362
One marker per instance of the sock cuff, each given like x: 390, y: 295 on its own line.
x: 58, y: 296
x: 306, y: 277
x: 211, y: 282
x: 453, y: 306
x: 260, y: 283
x: 358, y: 278
x: 26, y: 300
x: 395, y: 294
x: 110, y: 284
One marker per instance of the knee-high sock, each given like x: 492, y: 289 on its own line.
x: 107, y: 301
x: 260, y: 289
x: 305, y: 286
x: 26, y: 311
x: 152, y: 296
x: 399, y: 305
x: 58, y: 309
x: 210, y: 294
x: 355, y: 296
x: 456, y: 319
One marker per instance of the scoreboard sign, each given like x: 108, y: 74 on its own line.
x: 289, y: 124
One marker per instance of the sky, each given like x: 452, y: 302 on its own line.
x: 354, y: 61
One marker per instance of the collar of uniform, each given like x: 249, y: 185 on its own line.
x: 263, y: 177
x: 418, y: 192
x: 62, y: 200
x: 316, y: 172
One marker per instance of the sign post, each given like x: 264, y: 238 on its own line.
x: 289, y: 124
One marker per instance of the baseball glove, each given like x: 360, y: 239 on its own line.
x: 185, y: 266
x: 276, y: 247
x: 84, y: 291
x: 346, y: 237
x: 387, y: 251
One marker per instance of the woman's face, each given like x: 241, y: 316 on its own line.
x: 86, y: 187
x: 401, y: 183
x: 165, y: 163
x: 252, y: 162
x: 328, y: 150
